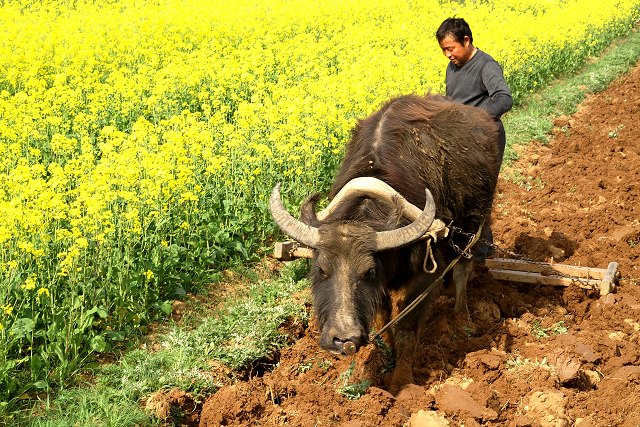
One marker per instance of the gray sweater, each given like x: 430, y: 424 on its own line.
x: 480, y: 83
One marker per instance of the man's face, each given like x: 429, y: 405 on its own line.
x: 456, y: 52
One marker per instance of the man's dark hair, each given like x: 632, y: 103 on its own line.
x: 457, y: 28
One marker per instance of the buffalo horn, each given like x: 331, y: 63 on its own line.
x: 410, y: 233
x: 296, y: 229
x: 372, y: 187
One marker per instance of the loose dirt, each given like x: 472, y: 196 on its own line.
x: 530, y: 355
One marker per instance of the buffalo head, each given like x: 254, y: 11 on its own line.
x: 349, y: 285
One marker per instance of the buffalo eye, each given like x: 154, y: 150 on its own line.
x: 321, y: 272
x: 370, y: 274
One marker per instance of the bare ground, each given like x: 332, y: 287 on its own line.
x: 531, y: 355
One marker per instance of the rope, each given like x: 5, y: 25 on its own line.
x: 437, y: 229
x: 427, y: 291
x: 429, y: 256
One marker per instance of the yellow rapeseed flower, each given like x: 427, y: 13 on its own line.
x: 7, y: 309
x: 188, y: 196
x: 29, y: 284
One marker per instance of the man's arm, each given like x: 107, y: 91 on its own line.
x: 500, y: 100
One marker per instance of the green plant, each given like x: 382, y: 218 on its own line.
x: 539, y: 183
x: 351, y: 391
x: 355, y: 391
x: 518, y: 361
x: 387, y: 354
x: 540, y: 332
x: 305, y: 367
x: 325, y: 365
x: 614, y: 133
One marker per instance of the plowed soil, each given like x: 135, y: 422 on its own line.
x: 531, y: 355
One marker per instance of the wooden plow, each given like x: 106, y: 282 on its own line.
x: 603, y: 280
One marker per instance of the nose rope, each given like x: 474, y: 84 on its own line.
x: 427, y: 291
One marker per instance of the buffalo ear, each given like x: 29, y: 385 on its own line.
x: 308, y: 210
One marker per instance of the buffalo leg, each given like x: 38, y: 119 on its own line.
x: 461, y: 273
x: 405, y: 343
x: 408, y: 331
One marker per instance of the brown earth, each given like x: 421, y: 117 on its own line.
x: 532, y: 355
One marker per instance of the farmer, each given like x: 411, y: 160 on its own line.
x: 474, y: 78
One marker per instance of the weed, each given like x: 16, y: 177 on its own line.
x: 354, y: 391
x: 614, y: 133
x: 559, y: 328
x: 517, y: 178
x: 325, y: 365
x: 540, y: 332
x: 526, y: 182
x: 539, y: 183
x: 351, y: 391
x: 387, y: 352
x: 305, y: 367
x: 520, y: 361
x: 514, y: 363
x: 345, y: 376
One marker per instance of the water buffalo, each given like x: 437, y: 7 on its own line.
x: 422, y: 157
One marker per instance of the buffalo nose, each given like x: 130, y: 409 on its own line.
x: 347, y: 347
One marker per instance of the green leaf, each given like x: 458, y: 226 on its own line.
x: 41, y: 385
x: 239, y: 247
x: 58, y: 351
x: 23, y: 327
x: 115, y: 336
x: 36, y: 363
x: 98, y: 344
x: 166, y: 307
